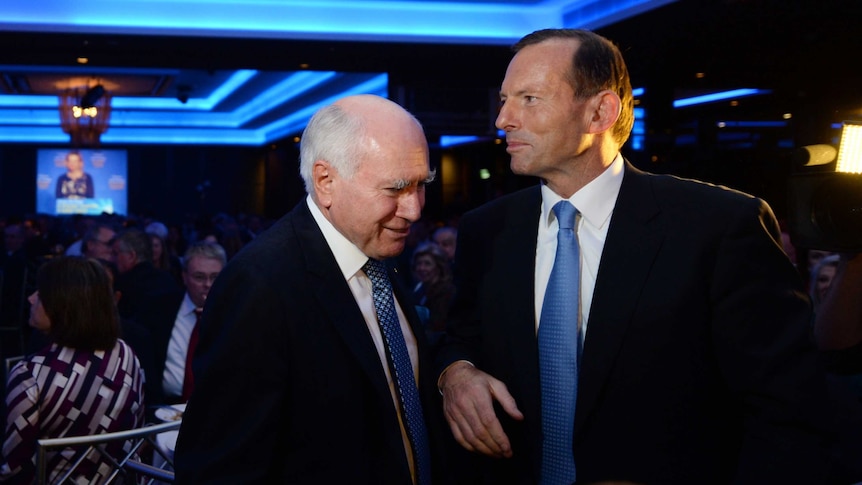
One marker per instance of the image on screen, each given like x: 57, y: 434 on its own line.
x: 86, y: 181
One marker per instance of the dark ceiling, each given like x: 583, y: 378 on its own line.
x: 802, y: 49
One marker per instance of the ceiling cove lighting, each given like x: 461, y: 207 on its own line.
x: 387, y: 21
x: 720, y: 96
x: 448, y: 141
x: 205, y: 128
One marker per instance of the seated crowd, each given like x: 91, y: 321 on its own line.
x: 118, y: 308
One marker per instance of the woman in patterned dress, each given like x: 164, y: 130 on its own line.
x: 87, y: 381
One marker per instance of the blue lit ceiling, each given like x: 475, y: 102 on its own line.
x: 250, y: 106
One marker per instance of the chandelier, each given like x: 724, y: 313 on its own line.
x: 84, y: 114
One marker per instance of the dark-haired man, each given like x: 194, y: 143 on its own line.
x: 612, y: 325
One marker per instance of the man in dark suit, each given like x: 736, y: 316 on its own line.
x: 171, y: 319
x: 292, y: 376
x: 138, y: 281
x: 692, y: 357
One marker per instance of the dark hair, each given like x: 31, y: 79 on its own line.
x: 597, y: 65
x: 78, y: 299
x: 136, y: 240
x: 92, y: 234
x: 164, y: 261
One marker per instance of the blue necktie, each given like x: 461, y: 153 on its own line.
x: 558, y: 353
x: 401, y: 369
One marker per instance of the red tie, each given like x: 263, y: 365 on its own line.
x: 189, y: 379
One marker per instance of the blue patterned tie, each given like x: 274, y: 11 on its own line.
x: 558, y: 353
x: 401, y: 368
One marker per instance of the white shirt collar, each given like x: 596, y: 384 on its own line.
x: 595, y: 201
x: 187, y: 307
x: 350, y: 258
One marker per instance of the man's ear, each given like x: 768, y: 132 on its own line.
x: 322, y: 175
x: 605, y: 107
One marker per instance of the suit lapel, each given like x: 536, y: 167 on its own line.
x: 336, y: 300
x: 516, y: 245
x: 633, y: 240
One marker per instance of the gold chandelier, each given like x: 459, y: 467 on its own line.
x: 84, y: 114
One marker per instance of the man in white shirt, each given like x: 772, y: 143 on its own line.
x: 202, y: 264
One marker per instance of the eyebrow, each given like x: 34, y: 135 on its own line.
x: 402, y: 183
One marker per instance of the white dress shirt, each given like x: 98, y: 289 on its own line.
x: 351, y: 260
x: 178, y: 347
x: 595, y: 202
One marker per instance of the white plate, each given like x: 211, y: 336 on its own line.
x: 171, y: 413
x: 168, y: 440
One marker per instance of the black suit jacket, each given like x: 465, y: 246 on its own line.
x: 142, y: 285
x: 157, y: 317
x: 288, y: 385
x: 696, y: 366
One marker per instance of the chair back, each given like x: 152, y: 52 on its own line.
x: 122, y: 457
x: 9, y: 363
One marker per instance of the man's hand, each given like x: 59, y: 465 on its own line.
x: 468, y: 396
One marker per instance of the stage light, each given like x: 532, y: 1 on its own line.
x: 850, y: 148
x: 826, y: 207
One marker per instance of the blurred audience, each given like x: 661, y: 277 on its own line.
x: 446, y: 237
x: 139, y: 280
x: 175, y: 243
x: 81, y: 224
x: 162, y: 258
x: 86, y: 381
x: 434, y: 289
x: 173, y: 320
x: 838, y: 324
x: 15, y: 266
x: 97, y: 242
x: 822, y: 275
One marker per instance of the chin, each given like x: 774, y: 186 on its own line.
x: 519, y: 168
x: 390, y: 251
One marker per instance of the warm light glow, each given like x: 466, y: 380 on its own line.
x: 850, y: 148
x: 83, y: 60
x: 90, y: 112
x: 84, y: 125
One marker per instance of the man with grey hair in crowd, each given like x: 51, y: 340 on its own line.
x: 174, y: 323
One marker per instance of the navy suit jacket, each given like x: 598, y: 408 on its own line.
x: 697, y: 365
x: 289, y: 387
x: 158, y: 317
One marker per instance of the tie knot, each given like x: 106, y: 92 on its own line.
x: 565, y: 212
x: 375, y: 270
